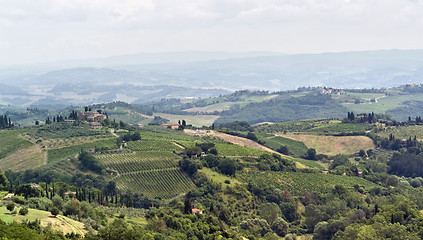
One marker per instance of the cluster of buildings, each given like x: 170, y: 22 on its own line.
x: 93, y: 118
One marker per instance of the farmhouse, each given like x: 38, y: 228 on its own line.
x: 95, y: 125
x: 170, y: 125
x: 196, y: 211
x: 91, y: 116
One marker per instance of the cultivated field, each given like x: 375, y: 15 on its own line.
x: 59, y: 223
x: 195, y: 120
x: 297, y: 183
x: 404, y: 132
x: 332, y: 145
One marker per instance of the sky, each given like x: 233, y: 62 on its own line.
x: 46, y: 30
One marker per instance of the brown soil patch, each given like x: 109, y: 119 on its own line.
x: 332, y: 145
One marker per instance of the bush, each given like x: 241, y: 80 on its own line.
x: 10, y: 206
x: 54, y: 211
x: 23, y: 211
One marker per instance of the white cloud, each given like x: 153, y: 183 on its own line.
x: 44, y: 29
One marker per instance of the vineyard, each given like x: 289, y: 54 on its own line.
x: 139, y: 161
x: 152, y: 169
x: 297, y: 183
x: 161, y: 183
x: 153, y: 145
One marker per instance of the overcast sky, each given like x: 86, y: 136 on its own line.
x: 45, y: 30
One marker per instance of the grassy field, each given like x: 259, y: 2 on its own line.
x: 339, y: 127
x: 11, y: 141
x: 62, y: 153
x: 383, y: 104
x: 223, y: 105
x: 129, y: 117
x: 404, y: 132
x: 26, y: 158
x: 297, y: 148
x: 331, y: 145
x: 297, y: 183
x: 195, y: 120
x: 73, y: 141
x: 219, y: 178
x: 367, y: 96
x: 233, y: 150
x: 59, y: 223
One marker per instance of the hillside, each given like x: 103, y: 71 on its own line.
x: 300, y: 173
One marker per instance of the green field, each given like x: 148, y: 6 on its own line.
x: 383, y: 104
x: 232, y: 150
x: 403, y: 131
x: 339, y: 127
x: 153, y: 145
x: 11, y: 141
x: 297, y: 183
x: 195, y: 120
x: 139, y: 161
x: 62, y: 153
x: 59, y: 223
x: 158, y: 183
x: 296, y: 148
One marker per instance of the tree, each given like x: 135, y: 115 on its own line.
x: 252, y: 136
x: 89, y: 162
x: 10, y: 206
x: 280, y: 226
x: 227, y: 166
x: 4, y: 183
x: 283, y: 149
x: 184, y: 123
x: 193, y: 151
x: 187, y: 206
x: 54, y: 211
x: 23, y: 211
x: 311, y: 154
x: 270, y: 212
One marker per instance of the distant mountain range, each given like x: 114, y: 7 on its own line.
x: 210, y: 70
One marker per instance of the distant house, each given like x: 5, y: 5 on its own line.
x: 70, y: 121
x: 95, y: 125
x: 196, y: 211
x: 170, y: 125
x: 91, y: 116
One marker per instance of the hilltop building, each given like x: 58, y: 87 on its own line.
x: 91, y: 116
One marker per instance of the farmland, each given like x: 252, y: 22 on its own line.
x: 58, y: 223
x: 297, y: 148
x: 332, y: 145
x: 297, y: 183
x: 139, y: 161
x: 195, y: 120
x: 403, y: 131
x: 153, y: 145
x: 159, y: 183
x: 61, y: 153
x: 11, y: 141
